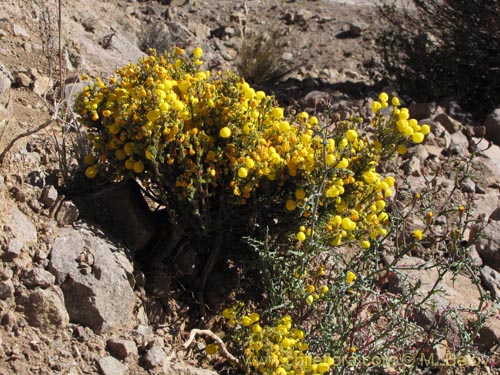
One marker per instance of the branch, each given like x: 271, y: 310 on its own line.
x: 25, y: 134
x: 223, y: 350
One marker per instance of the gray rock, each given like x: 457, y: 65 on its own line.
x: 111, y: 366
x: 122, y: 348
x: 457, y: 292
x: 468, y: 186
x: 488, y: 244
x: 38, y: 277
x: 13, y: 249
x: 491, y: 279
x: 67, y: 214
x: 492, y: 125
x: 420, y: 111
x: 20, y: 31
x: 42, y: 85
x: 128, y: 215
x: 2, y: 180
x: 450, y: 124
x: 199, y: 30
x: 154, y: 357
x: 420, y: 152
x: 45, y: 309
x: 180, y: 368
x: 22, y: 79
x: 459, y: 144
x: 22, y: 227
x: 96, y: 288
x: 474, y: 256
x: 489, y: 334
x: 49, y: 196
x: 412, y: 167
x: 485, y: 204
x: 6, y: 289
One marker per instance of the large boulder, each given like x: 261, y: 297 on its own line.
x: 95, y: 283
x: 492, y: 125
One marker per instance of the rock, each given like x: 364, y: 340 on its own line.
x: 199, y: 30
x: 21, y: 227
x: 459, y: 144
x: 468, y: 186
x: 20, y: 31
x: 45, y: 309
x: 38, y: 277
x: 23, y: 80
x: 111, y: 366
x: 419, y: 151
x: 420, y: 111
x: 485, y: 204
x: 6, y: 80
x: 127, y: 214
x: 122, y: 348
x: 489, y: 333
x: 489, y: 154
x: 474, y: 256
x: 49, y: 196
x: 491, y: 279
x: 96, y: 288
x: 450, y: 124
x: 67, y: 214
x: 42, y: 85
x: 412, y: 167
x: 154, y: 357
x: 6, y: 289
x: 458, y: 291
x: 181, y: 368
x: 487, y: 244
x: 349, y: 31
x: 13, y: 249
x: 492, y: 125
x: 36, y: 178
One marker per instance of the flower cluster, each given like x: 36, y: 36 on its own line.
x: 276, y: 349
x: 210, y: 140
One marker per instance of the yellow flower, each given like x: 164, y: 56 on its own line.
x: 350, y: 277
x: 211, y: 349
x: 401, y: 149
x: 242, y: 172
x: 300, y: 194
x: 425, y: 129
x: 277, y: 113
x: 138, y: 167
x: 418, y: 234
x: 197, y: 53
x: 395, y: 101
x: 290, y: 205
x: 376, y: 106
x: 383, y: 97
x: 246, y: 321
x: 225, y: 132
x: 91, y: 172
x: 351, y: 135
x: 301, y: 236
x: 227, y: 313
x: 417, y: 137
x: 323, y: 367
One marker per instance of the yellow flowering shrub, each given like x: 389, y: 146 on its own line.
x: 205, y: 144
x: 278, y: 348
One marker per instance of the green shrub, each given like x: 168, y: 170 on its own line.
x: 228, y: 163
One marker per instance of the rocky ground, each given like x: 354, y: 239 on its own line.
x: 72, y: 298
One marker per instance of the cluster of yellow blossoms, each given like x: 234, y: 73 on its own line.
x: 192, y: 136
x: 276, y: 349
